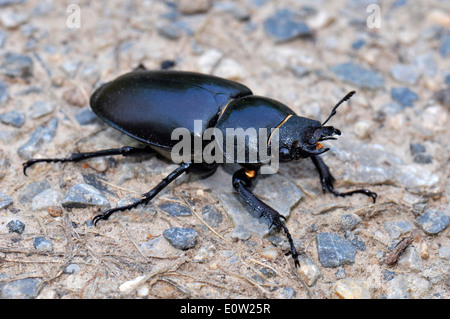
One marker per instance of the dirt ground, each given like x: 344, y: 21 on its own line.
x: 127, y: 256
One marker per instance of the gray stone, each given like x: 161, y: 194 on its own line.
x: 43, y: 134
x: 433, y: 221
x: 45, y: 199
x: 398, y: 289
x: 16, y: 226
x: 411, y: 260
x: 444, y: 252
x: 422, y: 158
x: 212, y: 216
x: 181, y: 238
x: 5, y: 201
x: 12, y: 118
x: 285, y: 25
x: 350, y: 221
x: 43, y: 244
x: 84, y: 195
x: 405, y: 73
x: 4, y: 95
x: 41, y: 108
x: 16, y: 65
x: 308, y: 270
x: 395, y: 229
x: 334, y: 251
x: 241, y: 233
x: 358, y: 75
x: 34, y: 188
x: 444, y: 49
x: 404, y: 96
x: 175, y: 209
x: 27, y: 288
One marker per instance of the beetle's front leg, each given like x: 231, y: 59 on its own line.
x: 327, y: 180
x: 242, y: 180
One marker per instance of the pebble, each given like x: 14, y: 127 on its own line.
x: 416, y: 148
x: 41, y: 108
x: 404, y: 96
x: 175, y: 209
x: 13, y: 118
x: 34, y: 188
x: 45, y: 200
x: 181, y: 238
x: 4, y: 95
x: 86, y: 117
x: 55, y: 211
x: 169, y: 30
x: 350, y: 221
x: 398, y: 288
x: 285, y: 26
x: 362, y: 129
x: 396, y: 229
x: 27, y: 288
x: 16, y: 65
x: 130, y: 285
x: 212, y: 216
x: 444, y: 252
x: 193, y: 6
x: 288, y: 293
x: 358, y: 75
x: 5, y: 201
x: 355, y: 240
x: 308, y: 270
x: 74, y: 97
x: 71, y: 269
x: 270, y: 253
x: 334, y: 250
x: 433, y: 221
x: 352, y: 288
x: 444, y: 49
x: 422, y: 158
x: 4, y: 164
x: 411, y: 260
x: 240, y: 232
x: 443, y: 97
x: 43, y: 244
x: 203, y: 254
x: 16, y: 226
x: 229, y: 69
x: 43, y: 134
x: 84, y: 195
x: 12, y: 19
x: 405, y: 73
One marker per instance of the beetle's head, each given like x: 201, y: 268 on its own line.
x: 305, y: 141
x: 300, y: 137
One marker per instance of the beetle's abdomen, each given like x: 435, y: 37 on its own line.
x: 149, y: 105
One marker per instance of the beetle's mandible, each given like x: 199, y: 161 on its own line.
x: 149, y: 105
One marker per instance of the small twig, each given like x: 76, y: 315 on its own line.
x: 401, y: 246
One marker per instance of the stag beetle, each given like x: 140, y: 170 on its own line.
x: 150, y: 105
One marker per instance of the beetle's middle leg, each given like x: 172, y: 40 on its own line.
x: 147, y: 196
x: 242, y: 180
x: 327, y: 180
x: 76, y: 157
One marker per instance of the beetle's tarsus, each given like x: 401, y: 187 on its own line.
x: 327, y: 181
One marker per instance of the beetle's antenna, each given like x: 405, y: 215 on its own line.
x: 333, y: 112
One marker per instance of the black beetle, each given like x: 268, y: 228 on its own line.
x: 149, y: 105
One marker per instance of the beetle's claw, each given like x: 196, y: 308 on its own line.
x: 99, y: 217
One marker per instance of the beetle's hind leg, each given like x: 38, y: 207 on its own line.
x: 242, y: 180
x: 327, y: 180
x: 147, y: 196
x: 76, y: 157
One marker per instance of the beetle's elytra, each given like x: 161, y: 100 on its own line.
x: 149, y: 105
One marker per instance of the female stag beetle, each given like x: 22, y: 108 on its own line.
x: 150, y: 105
